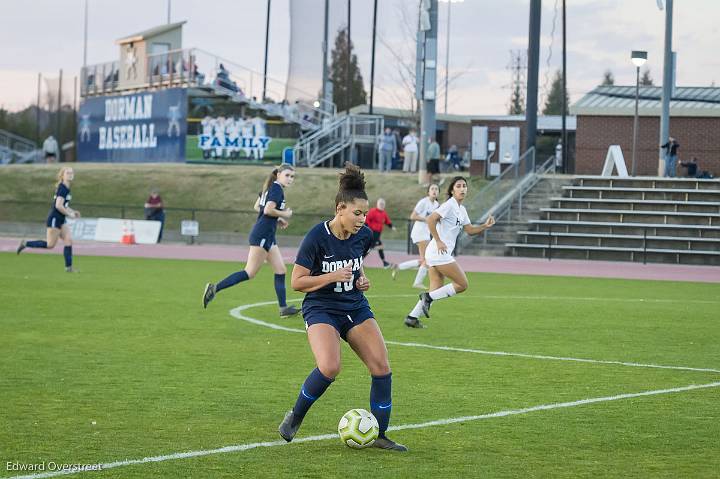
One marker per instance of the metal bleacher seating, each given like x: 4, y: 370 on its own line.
x: 660, y: 220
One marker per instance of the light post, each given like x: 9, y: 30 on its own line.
x: 638, y: 58
x: 447, y: 49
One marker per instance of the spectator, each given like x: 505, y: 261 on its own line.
x: 410, y: 147
x: 387, y: 149
x: 454, y: 158
x: 692, y: 167
x: 398, y: 146
x: 154, y: 210
x: 671, y: 148
x: 433, y: 162
x: 50, y: 148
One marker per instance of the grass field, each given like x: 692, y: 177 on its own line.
x: 198, y: 186
x: 120, y: 362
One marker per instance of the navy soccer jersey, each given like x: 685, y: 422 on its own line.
x: 64, y: 193
x: 274, y: 193
x: 321, y: 252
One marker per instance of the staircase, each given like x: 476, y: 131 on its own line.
x: 523, y: 209
x: 335, y: 137
x: 661, y: 220
x: 17, y: 149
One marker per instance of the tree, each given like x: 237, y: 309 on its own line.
x: 517, y: 101
x: 339, y: 74
x: 608, y: 78
x: 553, y: 102
x: 646, y: 79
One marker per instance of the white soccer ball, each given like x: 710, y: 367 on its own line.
x: 358, y: 429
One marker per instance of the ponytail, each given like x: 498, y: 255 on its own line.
x: 273, y: 176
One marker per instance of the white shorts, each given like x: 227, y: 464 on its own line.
x: 434, y: 258
x: 418, y: 236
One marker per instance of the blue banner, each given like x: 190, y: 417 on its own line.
x: 137, y: 128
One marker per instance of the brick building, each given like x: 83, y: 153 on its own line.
x: 605, y: 117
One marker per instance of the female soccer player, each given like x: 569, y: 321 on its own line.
x: 271, y: 212
x: 444, y: 225
x: 329, y: 269
x: 56, y: 227
x: 420, y: 235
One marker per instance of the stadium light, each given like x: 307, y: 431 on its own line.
x: 447, y: 49
x: 639, y: 58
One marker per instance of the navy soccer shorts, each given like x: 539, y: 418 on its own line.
x: 343, y: 323
x: 55, y: 221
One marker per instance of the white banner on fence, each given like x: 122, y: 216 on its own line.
x: 115, y: 230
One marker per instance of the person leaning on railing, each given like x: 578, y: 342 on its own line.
x: 154, y: 210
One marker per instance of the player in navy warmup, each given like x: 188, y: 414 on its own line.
x: 56, y: 226
x: 329, y: 269
x: 271, y: 213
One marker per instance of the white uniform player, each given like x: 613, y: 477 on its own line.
x: 445, y: 224
x: 453, y: 217
x: 420, y: 235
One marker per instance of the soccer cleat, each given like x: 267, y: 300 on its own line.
x: 209, y: 294
x: 394, y: 271
x: 411, y: 322
x: 385, y: 443
x: 419, y: 286
x: 288, y: 311
x: 21, y: 246
x: 69, y: 269
x: 387, y: 265
x: 290, y: 425
x: 426, y: 302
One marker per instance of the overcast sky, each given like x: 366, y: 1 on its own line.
x: 46, y: 35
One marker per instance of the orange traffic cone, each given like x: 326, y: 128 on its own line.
x: 128, y: 236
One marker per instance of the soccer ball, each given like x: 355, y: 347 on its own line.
x: 358, y: 429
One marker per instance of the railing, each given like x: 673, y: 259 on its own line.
x: 212, y: 221
x: 16, y: 149
x: 509, y: 188
x: 336, y: 136
x: 198, y: 68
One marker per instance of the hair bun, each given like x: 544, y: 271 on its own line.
x: 352, y: 179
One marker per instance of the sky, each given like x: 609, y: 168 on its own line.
x: 44, y: 36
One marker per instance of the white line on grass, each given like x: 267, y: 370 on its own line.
x: 323, y: 437
x: 238, y: 313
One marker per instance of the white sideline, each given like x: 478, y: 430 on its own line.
x: 323, y: 437
x: 238, y: 313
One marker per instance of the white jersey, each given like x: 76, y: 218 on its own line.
x: 453, y: 217
x: 423, y: 208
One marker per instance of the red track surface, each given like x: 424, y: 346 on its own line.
x: 482, y: 264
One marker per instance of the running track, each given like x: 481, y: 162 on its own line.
x: 481, y: 264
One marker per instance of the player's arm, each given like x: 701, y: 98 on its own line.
x: 362, y: 283
x: 416, y: 217
x: 388, y: 222
x: 67, y: 211
x: 256, y: 207
x: 302, y: 281
x: 271, y: 210
x: 477, y: 229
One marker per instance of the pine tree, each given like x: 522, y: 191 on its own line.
x: 339, y: 74
x: 608, y: 78
x: 646, y: 79
x: 517, y: 101
x: 553, y: 103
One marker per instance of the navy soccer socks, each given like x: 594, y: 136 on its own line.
x: 232, y: 280
x: 67, y: 252
x: 381, y: 400
x: 313, y: 387
x: 36, y: 244
x: 280, y: 290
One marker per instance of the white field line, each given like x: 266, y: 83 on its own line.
x: 323, y: 437
x: 238, y: 313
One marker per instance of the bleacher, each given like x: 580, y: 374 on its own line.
x: 659, y: 220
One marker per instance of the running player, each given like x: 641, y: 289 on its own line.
x: 329, y: 269
x: 420, y: 235
x: 444, y: 225
x: 377, y: 218
x: 271, y: 212
x: 56, y: 226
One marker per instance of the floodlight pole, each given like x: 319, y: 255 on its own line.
x: 348, y: 80
x: 564, y: 135
x: 532, y: 81
x: 667, y: 83
x: 635, y: 121
x: 267, y: 43
x: 428, y: 124
x: 372, y: 59
x: 325, y: 58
